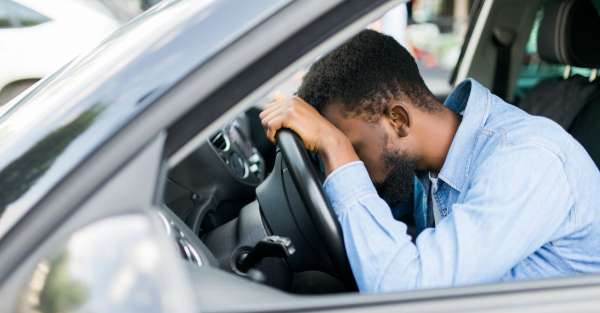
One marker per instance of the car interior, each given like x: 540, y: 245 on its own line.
x: 258, y: 208
x: 571, y: 99
x: 257, y: 212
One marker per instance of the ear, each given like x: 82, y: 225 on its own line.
x: 399, y: 118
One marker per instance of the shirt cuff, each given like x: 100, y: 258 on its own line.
x: 347, y: 184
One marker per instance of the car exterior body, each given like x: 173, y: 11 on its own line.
x: 88, y: 146
x: 37, y: 37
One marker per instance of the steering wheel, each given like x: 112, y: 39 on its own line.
x: 307, y: 181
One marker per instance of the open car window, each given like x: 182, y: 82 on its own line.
x: 213, y: 192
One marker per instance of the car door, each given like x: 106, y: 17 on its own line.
x: 121, y: 169
x: 576, y: 294
x: 113, y: 255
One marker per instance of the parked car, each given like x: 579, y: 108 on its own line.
x: 37, y: 37
x: 137, y: 177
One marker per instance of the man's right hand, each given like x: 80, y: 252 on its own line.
x: 316, y: 132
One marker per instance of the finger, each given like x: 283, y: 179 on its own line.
x: 274, y: 125
x: 276, y: 103
x: 265, y: 124
x: 265, y: 111
x: 272, y: 114
x: 277, y: 109
x: 289, y: 101
x: 270, y: 108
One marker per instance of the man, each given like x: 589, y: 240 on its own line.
x: 506, y: 195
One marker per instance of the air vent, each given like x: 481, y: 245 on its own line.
x: 188, y: 252
x: 220, y: 141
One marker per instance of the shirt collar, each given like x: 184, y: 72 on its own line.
x: 472, y: 101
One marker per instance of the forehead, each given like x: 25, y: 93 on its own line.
x: 357, y: 128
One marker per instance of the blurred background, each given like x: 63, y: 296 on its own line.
x: 39, y: 36
x: 433, y: 32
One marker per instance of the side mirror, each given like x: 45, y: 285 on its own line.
x: 122, y: 263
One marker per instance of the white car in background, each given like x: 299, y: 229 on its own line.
x: 38, y: 36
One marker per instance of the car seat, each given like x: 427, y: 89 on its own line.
x: 569, y: 34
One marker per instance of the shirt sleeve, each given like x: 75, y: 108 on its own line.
x: 512, y: 206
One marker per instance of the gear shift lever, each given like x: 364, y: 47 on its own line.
x: 270, y: 246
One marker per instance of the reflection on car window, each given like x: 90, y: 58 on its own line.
x: 25, y: 17
x: 4, y: 17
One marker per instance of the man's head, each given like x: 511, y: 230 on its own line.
x: 370, y: 88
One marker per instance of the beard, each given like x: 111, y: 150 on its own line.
x: 398, y: 186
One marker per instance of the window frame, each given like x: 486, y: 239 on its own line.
x: 467, y: 297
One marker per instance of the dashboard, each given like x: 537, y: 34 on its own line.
x: 219, y: 203
x: 190, y: 247
x: 234, y: 147
x: 213, y: 183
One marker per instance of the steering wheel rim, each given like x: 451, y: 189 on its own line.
x: 304, y: 175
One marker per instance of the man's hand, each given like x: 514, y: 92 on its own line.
x: 294, y: 113
x: 317, y: 133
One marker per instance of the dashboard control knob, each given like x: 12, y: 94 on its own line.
x: 253, y: 168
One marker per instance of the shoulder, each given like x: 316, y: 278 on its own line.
x: 513, y: 143
x: 510, y: 132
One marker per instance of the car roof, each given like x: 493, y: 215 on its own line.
x: 45, y: 133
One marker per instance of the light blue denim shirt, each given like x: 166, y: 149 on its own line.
x: 518, y: 197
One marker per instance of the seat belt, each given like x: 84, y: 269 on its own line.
x: 503, y: 40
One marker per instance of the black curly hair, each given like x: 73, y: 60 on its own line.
x: 364, y: 74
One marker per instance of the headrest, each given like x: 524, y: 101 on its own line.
x: 569, y: 33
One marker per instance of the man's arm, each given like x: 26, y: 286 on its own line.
x: 515, y: 203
